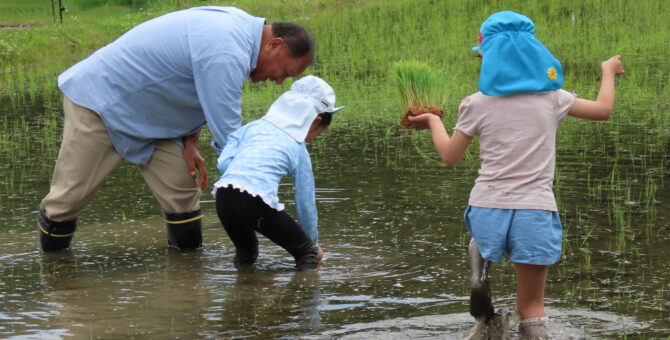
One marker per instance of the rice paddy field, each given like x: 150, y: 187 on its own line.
x: 390, y: 212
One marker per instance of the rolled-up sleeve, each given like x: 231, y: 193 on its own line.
x: 222, y: 42
x: 219, y: 81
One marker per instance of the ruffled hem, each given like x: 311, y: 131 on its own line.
x: 251, y: 191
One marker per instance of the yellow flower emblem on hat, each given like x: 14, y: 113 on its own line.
x: 551, y: 73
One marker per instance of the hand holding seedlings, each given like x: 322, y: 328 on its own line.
x: 422, y: 90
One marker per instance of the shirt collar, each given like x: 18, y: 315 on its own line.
x: 256, y: 48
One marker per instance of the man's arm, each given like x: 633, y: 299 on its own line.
x: 219, y: 87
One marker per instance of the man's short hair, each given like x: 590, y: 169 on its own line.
x: 298, y: 40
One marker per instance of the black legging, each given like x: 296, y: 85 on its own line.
x: 242, y: 215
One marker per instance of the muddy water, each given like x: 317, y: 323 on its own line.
x: 395, y: 266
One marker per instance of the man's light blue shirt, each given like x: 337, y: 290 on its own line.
x: 167, y: 77
x: 257, y: 157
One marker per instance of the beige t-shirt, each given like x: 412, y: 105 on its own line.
x: 517, y: 137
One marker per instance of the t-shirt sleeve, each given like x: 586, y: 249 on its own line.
x: 467, y: 122
x: 564, y: 102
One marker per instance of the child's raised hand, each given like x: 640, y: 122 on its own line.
x: 422, y: 121
x: 612, y: 65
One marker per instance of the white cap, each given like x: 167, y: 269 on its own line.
x: 318, y: 89
x: 295, y: 110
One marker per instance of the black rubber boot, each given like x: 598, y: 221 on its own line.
x: 245, y: 260
x: 184, y: 230
x: 481, y: 306
x: 54, y: 236
x: 308, y: 260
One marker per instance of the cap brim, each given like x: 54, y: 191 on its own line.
x: 336, y: 109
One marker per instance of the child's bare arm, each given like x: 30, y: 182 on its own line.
x: 451, y: 149
x: 601, y: 109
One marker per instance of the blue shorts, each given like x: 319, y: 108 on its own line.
x: 527, y: 235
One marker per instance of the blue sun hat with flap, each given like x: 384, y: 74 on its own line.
x: 513, y: 60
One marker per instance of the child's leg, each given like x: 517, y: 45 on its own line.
x: 481, y: 306
x: 535, y: 241
x: 242, y: 215
x: 239, y: 217
x: 530, y: 282
x: 281, y: 229
x: 489, y: 228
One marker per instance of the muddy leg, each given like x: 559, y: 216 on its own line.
x: 481, y: 306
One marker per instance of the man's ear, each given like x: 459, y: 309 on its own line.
x: 276, y: 42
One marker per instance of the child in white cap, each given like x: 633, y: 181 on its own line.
x: 516, y: 113
x: 256, y: 157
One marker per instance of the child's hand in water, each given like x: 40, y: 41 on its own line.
x: 612, y: 65
x: 422, y: 121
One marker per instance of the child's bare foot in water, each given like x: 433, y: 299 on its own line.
x: 319, y: 255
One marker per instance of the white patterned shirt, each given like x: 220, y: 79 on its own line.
x: 257, y: 156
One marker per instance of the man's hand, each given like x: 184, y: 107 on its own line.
x: 194, y: 161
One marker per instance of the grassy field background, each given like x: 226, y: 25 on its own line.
x: 358, y: 41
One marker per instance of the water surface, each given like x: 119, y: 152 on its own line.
x: 395, y: 265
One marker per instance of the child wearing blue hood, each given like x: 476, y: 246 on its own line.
x: 516, y: 114
x: 256, y: 157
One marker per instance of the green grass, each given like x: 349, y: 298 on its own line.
x: 42, y: 12
x: 358, y: 43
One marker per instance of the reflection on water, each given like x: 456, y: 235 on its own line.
x: 396, y: 264
x: 129, y: 292
x: 159, y: 293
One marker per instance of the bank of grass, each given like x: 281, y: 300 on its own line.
x: 358, y: 41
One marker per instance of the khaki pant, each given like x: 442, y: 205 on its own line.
x: 87, y: 157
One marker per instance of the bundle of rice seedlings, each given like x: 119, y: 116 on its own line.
x: 422, y: 90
